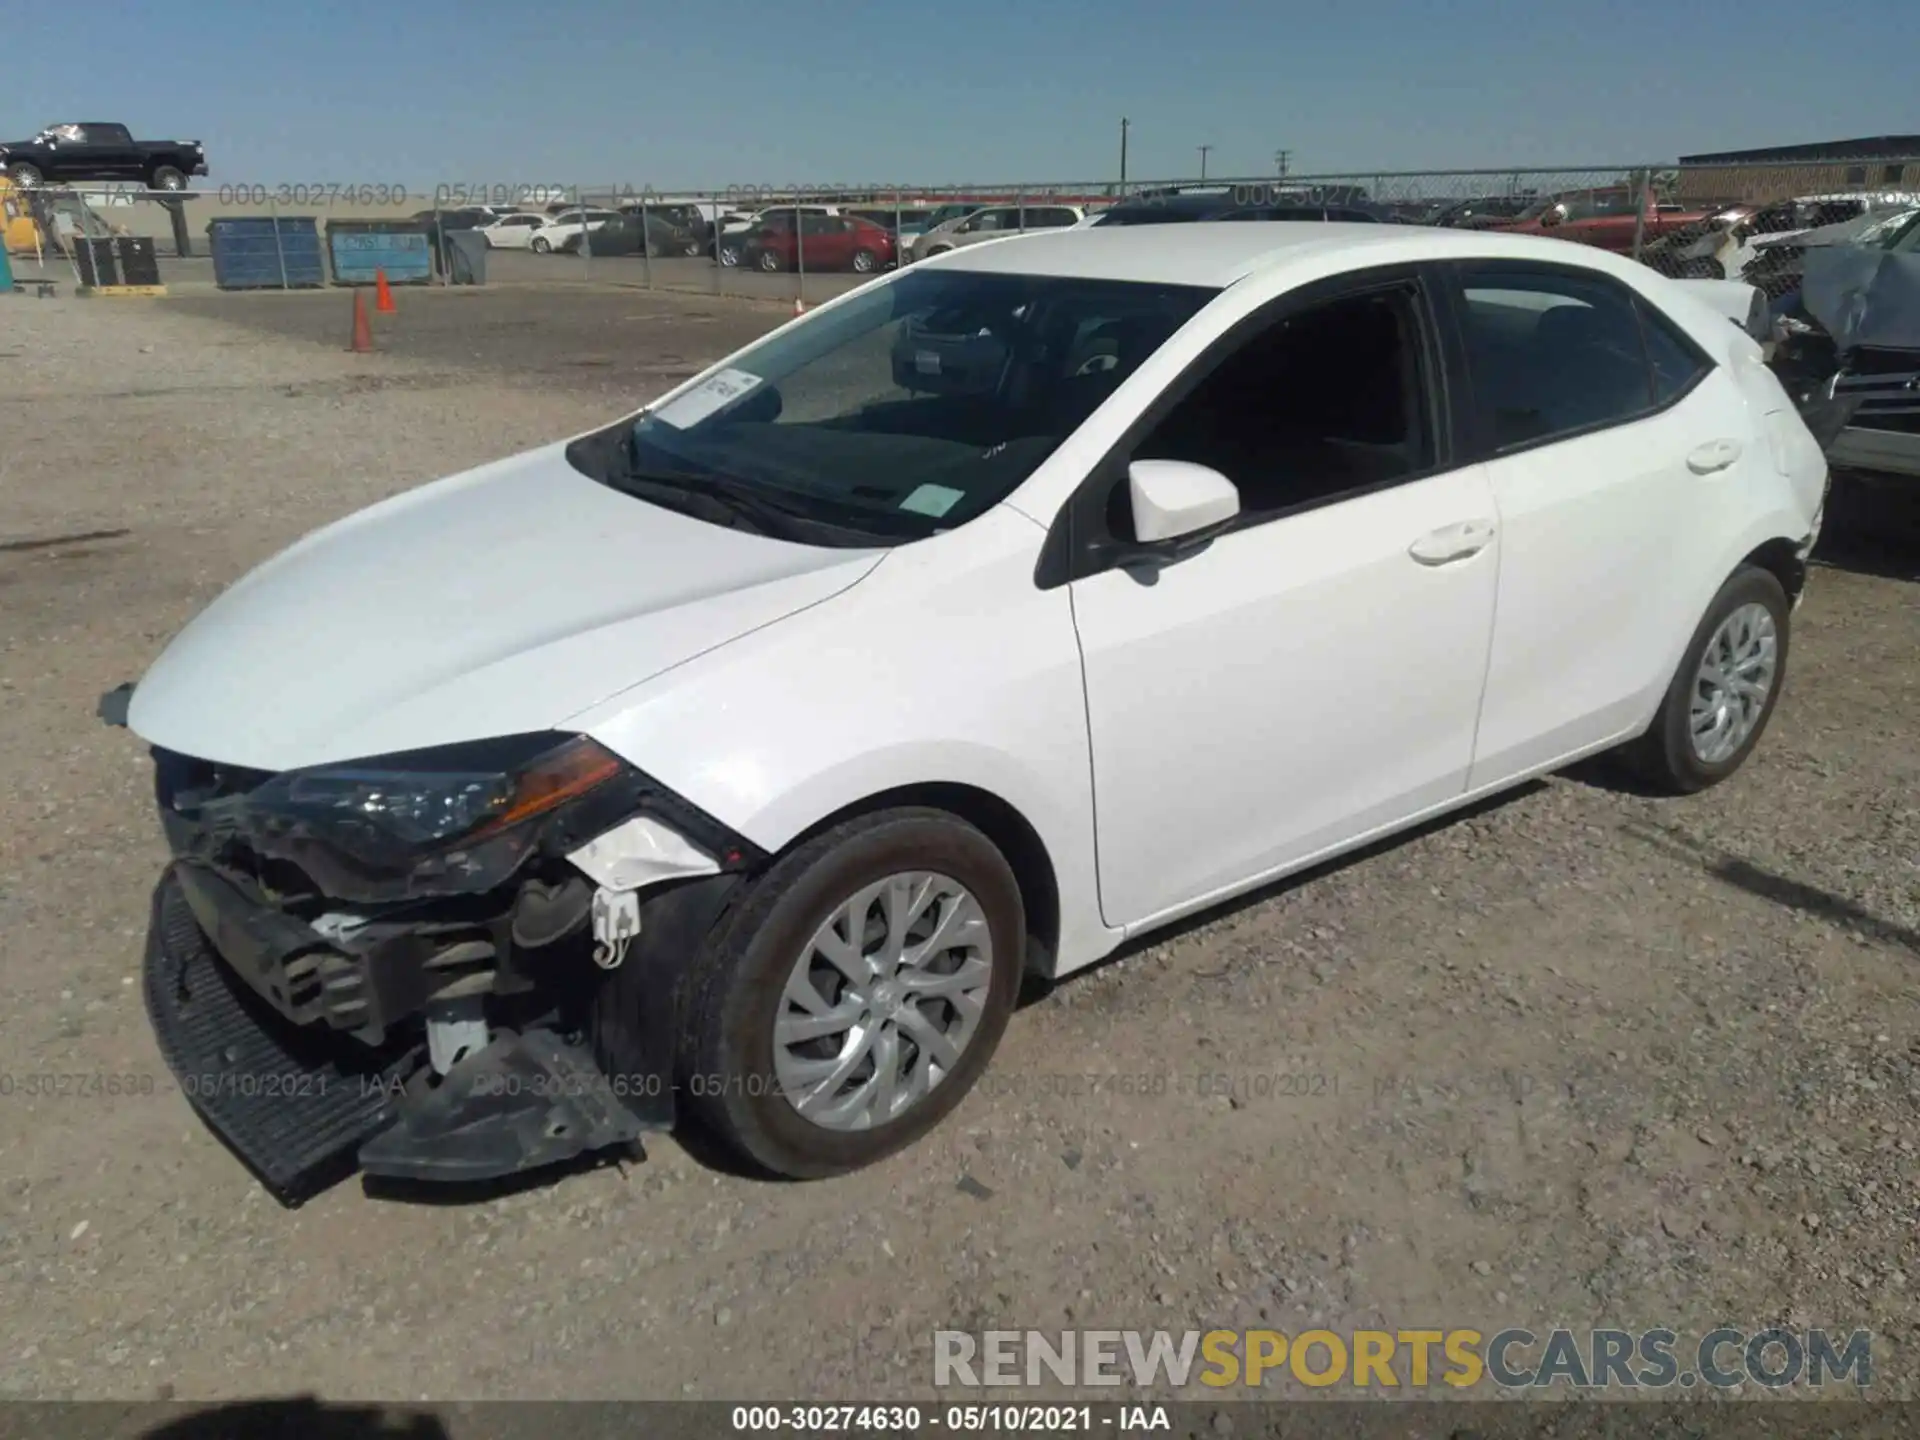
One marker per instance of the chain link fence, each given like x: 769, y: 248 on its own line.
x: 802, y: 245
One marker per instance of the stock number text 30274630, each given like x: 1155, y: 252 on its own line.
x: 321, y: 194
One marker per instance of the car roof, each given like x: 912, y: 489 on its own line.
x: 1218, y: 253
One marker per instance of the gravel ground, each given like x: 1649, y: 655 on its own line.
x: 1578, y: 1058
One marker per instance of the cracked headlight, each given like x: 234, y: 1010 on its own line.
x: 460, y: 818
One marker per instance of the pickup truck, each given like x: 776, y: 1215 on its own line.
x: 66, y: 154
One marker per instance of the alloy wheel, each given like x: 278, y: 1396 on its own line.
x: 1734, y: 680
x: 883, y: 1001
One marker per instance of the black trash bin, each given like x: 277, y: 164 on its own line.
x: 467, y: 257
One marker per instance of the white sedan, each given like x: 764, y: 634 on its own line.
x: 739, y: 759
x: 512, y: 232
x: 568, y: 225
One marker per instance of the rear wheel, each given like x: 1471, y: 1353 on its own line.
x: 855, y: 995
x: 540, y: 245
x: 1724, y: 692
x: 23, y: 174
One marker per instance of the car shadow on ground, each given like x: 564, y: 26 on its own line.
x: 1741, y: 874
x: 307, y: 1417
x: 301, y: 1417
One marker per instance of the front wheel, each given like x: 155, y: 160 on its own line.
x: 541, y: 245
x: 856, y: 993
x: 167, y: 177
x: 729, y: 254
x: 768, y: 262
x: 864, y: 262
x: 1724, y: 692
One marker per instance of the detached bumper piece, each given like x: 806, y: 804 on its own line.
x: 294, y: 1104
x: 525, y: 1102
x: 303, y: 1106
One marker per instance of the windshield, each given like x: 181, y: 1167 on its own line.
x: 911, y: 408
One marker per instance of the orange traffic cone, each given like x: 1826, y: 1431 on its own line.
x: 362, y: 329
x: 384, y: 296
x: 799, y: 306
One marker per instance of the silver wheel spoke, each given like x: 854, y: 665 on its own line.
x: 959, y: 921
x: 820, y: 1094
x: 932, y: 1042
x: 973, y: 974
x: 792, y: 1029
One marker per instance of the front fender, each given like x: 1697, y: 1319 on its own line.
x: 945, y: 666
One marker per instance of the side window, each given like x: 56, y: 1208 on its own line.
x: 1324, y: 402
x: 1552, y: 354
x: 988, y: 220
x: 1677, y: 363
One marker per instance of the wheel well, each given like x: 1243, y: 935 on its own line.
x: 1781, y: 559
x: 1011, y: 834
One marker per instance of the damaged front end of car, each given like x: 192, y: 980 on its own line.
x: 1849, y: 350
x: 457, y: 964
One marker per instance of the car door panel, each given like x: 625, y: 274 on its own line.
x: 1294, y: 685
x: 1604, y: 534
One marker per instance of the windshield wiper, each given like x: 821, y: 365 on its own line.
x: 719, y: 496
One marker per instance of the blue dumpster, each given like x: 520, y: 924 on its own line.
x: 360, y: 248
x: 253, y: 252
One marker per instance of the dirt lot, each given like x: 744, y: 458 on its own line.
x: 1580, y: 1058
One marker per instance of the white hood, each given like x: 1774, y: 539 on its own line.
x: 497, y: 602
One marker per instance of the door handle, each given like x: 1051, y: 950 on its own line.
x: 1449, y: 543
x: 1712, y: 456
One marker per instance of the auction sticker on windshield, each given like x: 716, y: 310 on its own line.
x: 708, y: 397
x: 934, y: 500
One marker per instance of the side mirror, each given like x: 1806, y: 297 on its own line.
x: 1178, y: 506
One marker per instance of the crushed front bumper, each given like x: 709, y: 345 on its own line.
x: 303, y: 1106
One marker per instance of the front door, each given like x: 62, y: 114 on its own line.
x: 1314, y: 674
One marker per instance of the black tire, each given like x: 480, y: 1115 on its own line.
x: 167, y: 177
x: 865, y: 262
x: 726, y: 1066
x: 24, y: 175
x: 728, y: 254
x: 1664, y: 757
x: 540, y: 245
x: 768, y: 262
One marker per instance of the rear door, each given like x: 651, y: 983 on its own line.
x: 826, y: 241
x: 1613, y: 445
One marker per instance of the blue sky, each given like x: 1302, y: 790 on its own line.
x: 595, y: 92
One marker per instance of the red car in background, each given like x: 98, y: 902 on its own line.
x: 1608, y: 218
x: 823, y: 242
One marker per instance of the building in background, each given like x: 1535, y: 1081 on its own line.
x: 1779, y: 172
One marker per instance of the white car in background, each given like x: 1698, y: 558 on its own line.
x: 512, y: 232
x: 992, y: 222
x: 993, y: 614
x: 566, y: 225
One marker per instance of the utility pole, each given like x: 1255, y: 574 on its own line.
x: 1203, y: 160
x: 1280, y: 159
x: 1123, y: 155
